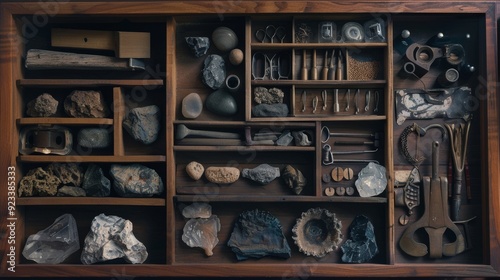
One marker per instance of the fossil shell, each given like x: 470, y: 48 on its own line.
x: 317, y: 232
x: 202, y: 233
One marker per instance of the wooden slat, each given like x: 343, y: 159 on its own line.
x: 119, y: 110
x: 25, y: 201
x: 56, y: 83
x: 65, y: 121
x: 78, y: 158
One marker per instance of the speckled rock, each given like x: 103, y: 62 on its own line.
x: 70, y: 174
x: 135, y: 180
x: 262, y: 174
x: 43, y: 106
x: 86, y: 104
x: 94, y: 138
x: 143, y: 123
x: 198, y: 45
x: 195, y: 170
x: 38, y: 182
x: 270, y: 110
x: 222, y: 175
x: 214, y: 71
x: 263, y: 95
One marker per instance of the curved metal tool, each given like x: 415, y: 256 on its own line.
x: 420, y: 131
x: 435, y: 219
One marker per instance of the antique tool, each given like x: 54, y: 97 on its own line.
x: 45, y: 140
x: 356, y: 107
x: 367, y: 100
x: 327, y: 157
x: 124, y: 44
x: 304, y: 99
x: 258, y: 66
x: 326, y: 134
x: 348, y: 173
x: 324, y: 99
x: 324, y: 71
x: 304, y: 65
x: 420, y: 131
x: 375, y: 110
x: 51, y: 60
x: 337, y: 174
x: 182, y: 132
x: 459, y: 138
x: 271, y: 32
x: 330, y: 191
x: 339, y: 70
x: 348, y: 99
x: 349, y: 143
x: 420, y: 58
x: 336, y: 106
x: 315, y: 104
x: 435, y: 219
x: 314, y: 67
x: 408, y: 195
x: 340, y: 191
x: 332, y: 68
x: 209, y: 142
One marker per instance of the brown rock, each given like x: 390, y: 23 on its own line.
x: 294, y: 179
x: 38, y: 183
x: 86, y: 104
x: 222, y: 175
x: 70, y: 174
x: 195, y: 170
x: 43, y: 106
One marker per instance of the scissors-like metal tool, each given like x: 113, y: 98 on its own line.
x: 270, y: 34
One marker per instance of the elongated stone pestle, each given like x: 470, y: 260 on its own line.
x: 182, y: 131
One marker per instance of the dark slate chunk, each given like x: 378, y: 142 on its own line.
x: 262, y: 174
x: 214, y: 71
x: 143, y: 123
x: 285, y: 139
x: 221, y: 103
x: 257, y: 234
x: 270, y: 110
x: 95, y: 183
x: 362, y: 246
x: 199, y: 45
x: 94, y: 138
x: 43, y: 106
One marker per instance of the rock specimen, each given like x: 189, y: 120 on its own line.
x: 55, y: 243
x: 262, y: 174
x: 264, y: 96
x: 371, y: 180
x: 257, y: 234
x: 202, y: 233
x: 43, y: 106
x: 222, y: 103
x: 270, y: 110
x: 192, y: 106
x: 361, y: 245
x: 224, y: 39
x: 294, y: 179
x: 197, y: 210
x: 95, y: 183
x: 135, y: 180
x: 38, y: 183
x: 222, y: 175
x: 236, y: 57
x: 302, y: 138
x: 110, y: 238
x: 317, y: 232
x: 86, y: 104
x: 198, y: 45
x: 285, y: 139
x: 70, y: 174
x: 70, y: 191
x: 214, y: 71
x: 195, y: 170
x: 94, y: 138
x: 143, y: 123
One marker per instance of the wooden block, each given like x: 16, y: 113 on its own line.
x: 133, y: 44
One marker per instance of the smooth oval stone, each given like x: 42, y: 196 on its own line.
x: 192, y: 106
x: 222, y: 103
x: 195, y: 170
x: 224, y: 39
x: 222, y: 175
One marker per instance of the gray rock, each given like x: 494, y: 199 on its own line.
x: 43, y: 106
x: 192, y: 106
x: 55, y: 243
x: 264, y: 96
x: 362, y: 245
x: 302, y: 138
x: 285, y: 139
x: 197, y: 210
x: 143, y: 123
x: 71, y: 191
x: 221, y: 103
x: 110, y: 238
x: 94, y: 138
x: 70, y: 174
x: 257, y: 234
x: 270, y: 110
x: 371, y: 180
x: 136, y: 180
x: 86, y: 104
x: 38, y: 182
x: 214, y: 71
x: 199, y: 45
x: 294, y: 179
x: 262, y: 174
x: 95, y: 183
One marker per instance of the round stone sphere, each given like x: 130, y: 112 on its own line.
x: 236, y: 57
x: 224, y: 39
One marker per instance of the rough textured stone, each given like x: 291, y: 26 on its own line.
x: 294, y: 179
x: 222, y: 103
x: 55, y: 243
x: 214, y: 71
x: 361, y: 245
x: 270, y: 110
x: 197, y: 210
x: 285, y: 139
x: 143, y: 123
x: 135, y: 180
x: 38, y: 183
x: 257, y: 234
x: 192, y: 106
x: 202, y: 233
x: 70, y: 174
x: 71, y: 191
x: 43, y: 106
x: 198, y: 45
x: 86, y: 104
x: 371, y: 180
x: 95, y: 183
x: 302, y: 138
x: 195, y: 170
x: 262, y: 174
x: 94, y: 138
x: 264, y: 96
x: 110, y: 238
x: 222, y: 175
